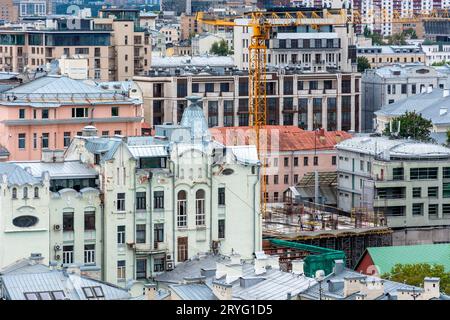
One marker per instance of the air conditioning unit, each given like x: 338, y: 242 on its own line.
x: 169, y: 266
x: 57, y: 257
x: 57, y: 247
x: 57, y: 227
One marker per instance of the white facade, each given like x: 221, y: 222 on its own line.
x: 436, y: 53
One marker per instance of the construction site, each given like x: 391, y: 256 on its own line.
x: 325, y: 226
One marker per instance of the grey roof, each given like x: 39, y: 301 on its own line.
x: 3, y: 152
x: 407, y: 70
x: 107, y: 147
x: 16, y: 175
x: 66, y: 169
x: 388, y: 148
x: 197, y: 61
x: 194, y: 118
x: 194, y: 291
x: 433, y: 106
x: 22, y: 277
x: 148, y: 151
x: 8, y: 75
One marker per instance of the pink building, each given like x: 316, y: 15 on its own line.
x: 291, y: 153
x: 46, y: 113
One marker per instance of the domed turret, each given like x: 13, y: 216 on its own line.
x: 194, y: 118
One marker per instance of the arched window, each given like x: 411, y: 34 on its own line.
x: 14, y: 193
x: 181, y: 209
x: 25, y: 193
x: 200, y: 208
x: 36, y: 192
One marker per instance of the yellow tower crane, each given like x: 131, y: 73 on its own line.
x: 261, y: 24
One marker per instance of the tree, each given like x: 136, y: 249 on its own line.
x: 363, y: 64
x: 448, y: 137
x: 439, y: 64
x: 414, y: 274
x: 410, y: 33
x: 220, y: 48
x: 412, y: 125
x: 377, y: 39
x: 397, y: 39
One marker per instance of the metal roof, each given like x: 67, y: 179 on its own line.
x: 385, y: 258
x: 16, y: 175
x: 307, y: 35
x: 194, y: 291
x: 245, y: 154
x: 148, y: 151
x: 197, y: 61
x: 66, y: 169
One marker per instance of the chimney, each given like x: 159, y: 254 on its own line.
x: 372, y: 288
x: 431, y: 288
x: 260, y: 265
x: 89, y: 131
x: 191, y: 280
x: 338, y: 266
x: 429, y: 89
x: 423, y: 89
x: 273, y: 262
x: 36, y: 258
x: 446, y: 93
x: 352, y: 285
x: 335, y: 285
x: 150, y: 291
x: 298, y: 267
x: 207, y: 273
x: 53, y: 265
x: 235, y: 259
x: 74, y: 269
x: 222, y: 291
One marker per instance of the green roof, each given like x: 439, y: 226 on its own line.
x: 385, y: 258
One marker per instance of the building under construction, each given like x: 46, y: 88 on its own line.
x: 327, y: 227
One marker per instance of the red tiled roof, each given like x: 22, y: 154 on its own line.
x: 282, y: 138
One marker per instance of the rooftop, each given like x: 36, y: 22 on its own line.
x: 392, y: 149
x: 59, y: 170
x: 196, y: 61
x: 17, y: 175
x: 385, y: 258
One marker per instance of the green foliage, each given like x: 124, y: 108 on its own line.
x: 363, y: 64
x: 410, y: 33
x: 414, y: 274
x: 397, y: 39
x: 412, y: 125
x: 377, y: 39
x: 448, y: 136
x: 439, y: 64
x: 220, y: 48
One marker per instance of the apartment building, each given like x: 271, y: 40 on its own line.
x: 307, y: 100
x: 116, y: 48
x: 291, y: 153
x: 436, y: 52
x: 404, y: 180
x: 380, y: 56
x: 389, y: 84
x: 134, y: 207
x: 8, y: 11
x: 45, y: 114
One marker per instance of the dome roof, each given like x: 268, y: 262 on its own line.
x: 194, y: 118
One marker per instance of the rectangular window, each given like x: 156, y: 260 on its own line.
x: 305, y: 161
x: 195, y: 88
x: 286, y: 179
x: 275, y: 179
x: 286, y: 162
x: 433, y: 192
x: 209, y: 87
x: 221, y: 196
x: 89, y: 253
x: 158, y: 230
x: 446, y: 190
x: 404, y: 89
x: 182, y: 246
x: 417, y: 192
x: 141, y: 268
x: 140, y: 233
x: 89, y: 220
x: 66, y: 139
x: 397, y: 174
x: 446, y: 172
x: 34, y: 140
x: 417, y: 209
x: 423, y: 173
x: 21, y: 113
x: 45, y: 138
x: 120, y: 234
x: 68, y: 221
x: 80, y: 112
x: 114, y: 111
x: 121, y: 202
x: 295, y: 161
x: 22, y: 138
x: 295, y: 178
x: 221, y: 228
x: 158, y: 264
x: 121, y: 270
x: 200, y: 210
x: 141, y: 200
x: 433, y: 210
x: 181, y: 213
x: 67, y: 254
x: 333, y: 160
x: 45, y: 113
x: 446, y: 210
x: 316, y: 161
x: 158, y: 200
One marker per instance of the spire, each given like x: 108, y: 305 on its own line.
x: 194, y: 118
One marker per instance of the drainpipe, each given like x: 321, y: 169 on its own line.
x: 102, y: 217
x: 210, y: 205
x: 134, y: 220
x: 173, y: 208
x: 254, y: 207
x: 150, y: 176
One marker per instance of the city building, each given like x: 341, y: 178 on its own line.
x: 389, y: 84
x: 307, y: 100
x: 202, y: 44
x: 379, y: 260
x: 402, y: 181
x: 432, y: 104
x: 292, y: 153
x: 8, y: 11
x: 379, y: 56
x: 436, y: 53
x: 45, y: 114
x: 189, y: 26
x: 116, y: 48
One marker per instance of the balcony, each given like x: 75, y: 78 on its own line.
x: 89, y: 235
x: 146, y: 248
x: 316, y: 91
x: 303, y: 92
x: 331, y: 91
x: 68, y: 236
x: 227, y: 94
x: 212, y: 94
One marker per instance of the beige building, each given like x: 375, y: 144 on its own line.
x: 8, y: 11
x: 380, y: 56
x: 116, y: 49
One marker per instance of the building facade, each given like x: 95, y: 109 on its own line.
x: 403, y: 180
x: 389, y: 84
x: 45, y: 114
x: 380, y: 56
